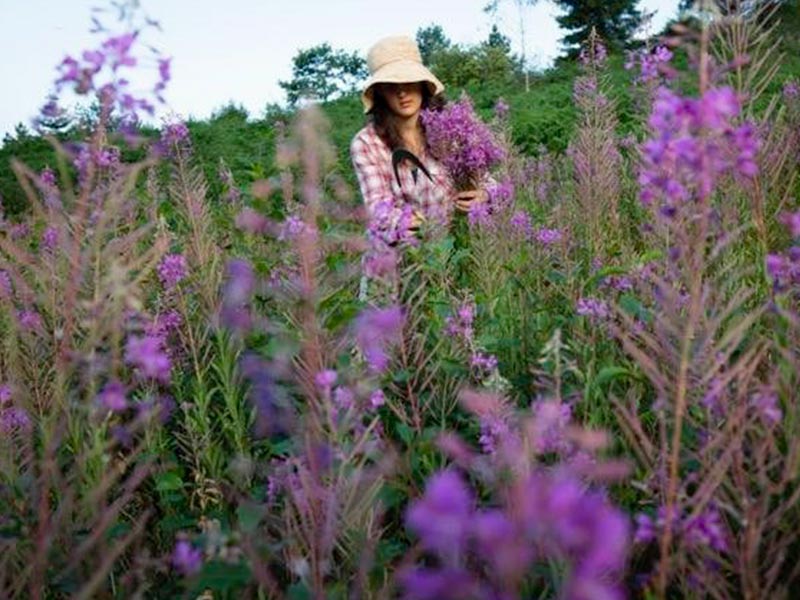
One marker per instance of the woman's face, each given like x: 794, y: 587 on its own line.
x: 404, y: 99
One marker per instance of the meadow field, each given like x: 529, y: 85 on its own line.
x: 587, y: 391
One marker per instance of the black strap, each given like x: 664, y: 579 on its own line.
x: 402, y: 154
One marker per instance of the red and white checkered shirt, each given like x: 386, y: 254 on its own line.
x: 372, y: 160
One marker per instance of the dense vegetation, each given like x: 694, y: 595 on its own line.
x: 588, y: 391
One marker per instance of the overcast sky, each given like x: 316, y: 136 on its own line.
x: 238, y: 50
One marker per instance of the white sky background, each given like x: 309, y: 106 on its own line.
x: 237, y: 50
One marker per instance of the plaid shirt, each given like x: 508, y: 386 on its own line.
x: 385, y: 198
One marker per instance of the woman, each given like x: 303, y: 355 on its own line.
x: 401, y: 183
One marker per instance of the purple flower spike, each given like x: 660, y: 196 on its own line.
x: 375, y: 330
x: 187, y: 559
x: 172, y: 270
x: 148, y: 356
x: 442, y: 517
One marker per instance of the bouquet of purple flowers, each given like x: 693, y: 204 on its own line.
x: 462, y: 143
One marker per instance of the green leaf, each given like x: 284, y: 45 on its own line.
x: 222, y: 577
x: 299, y: 591
x: 250, y: 515
x: 405, y: 432
x: 169, y: 482
x: 632, y: 306
x: 607, y: 374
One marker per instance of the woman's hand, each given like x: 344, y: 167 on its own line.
x: 467, y: 199
x: 417, y: 219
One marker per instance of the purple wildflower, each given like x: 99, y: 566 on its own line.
x: 462, y: 142
x: 50, y: 238
x: 112, y: 396
x: 706, y: 529
x: 19, y: 231
x: 29, y: 320
x: 14, y: 419
x: 375, y: 330
x: 768, y: 407
x: 501, y: 109
x: 5, y: 394
x: 6, y: 289
x: 550, y: 424
x: 460, y: 325
x: 521, y: 223
x: 645, y: 529
x: 439, y: 584
x: 494, y: 428
x: 172, y: 270
x: 187, y: 559
x: 694, y: 144
x: 343, y: 398
x: 792, y: 222
x: 442, y: 517
x: 547, y: 237
x: 592, y: 307
x: 325, y: 379
x: 148, y: 356
x: 482, y: 364
x: 377, y: 399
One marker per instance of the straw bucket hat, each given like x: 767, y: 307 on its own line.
x: 396, y: 59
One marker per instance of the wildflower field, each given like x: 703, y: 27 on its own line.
x: 588, y: 389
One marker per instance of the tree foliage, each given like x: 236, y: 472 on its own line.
x: 323, y: 73
x: 432, y: 40
x: 614, y: 20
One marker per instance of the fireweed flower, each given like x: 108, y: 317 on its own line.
x: 521, y: 223
x: 652, y: 64
x: 14, y: 419
x: 148, y: 356
x: 6, y: 289
x: 325, y: 379
x: 440, y: 584
x: 791, y: 89
x: 694, y: 144
x: 792, y: 222
x: 501, y: 109
x: 112, y: 397
x: 462, y: 142
x: 549, y: 427
x: 187, y: 559
x: 460, y: 325
x: 19, y: 231
x: 766, y: 403
x: 172, y: 270
x: 375, y: 330
x: 442, y: 517
x: 50, y: 238
x: 547, y: 236
x: 377, y: 399
x: 482, y: 364
x: 29, y: 320
x: 593, y: 308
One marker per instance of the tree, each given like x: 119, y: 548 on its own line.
x: 498, y: 40
x: 724, y: 7
x: 431, y: 40
x: 322, y: 73
x: 521, y: 5
x: 614, y: 20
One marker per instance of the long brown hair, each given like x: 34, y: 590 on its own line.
x: 385, y: 121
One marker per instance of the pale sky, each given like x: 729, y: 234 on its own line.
x: 237, y: 50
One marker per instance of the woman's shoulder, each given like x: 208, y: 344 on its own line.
x: 367, y: 137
